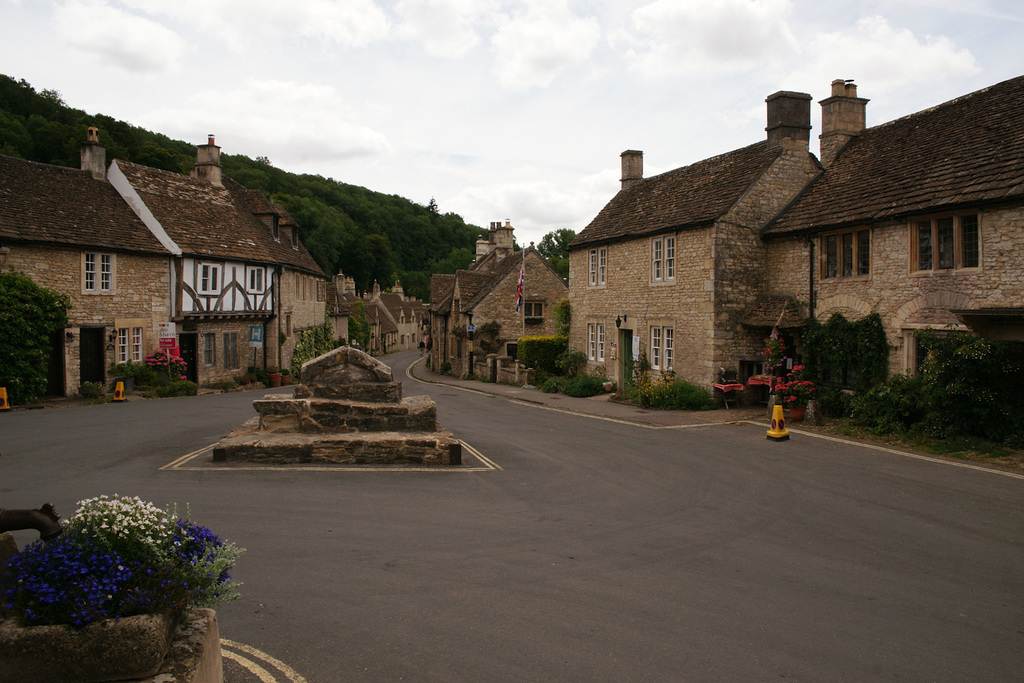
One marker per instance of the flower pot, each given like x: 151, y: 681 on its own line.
x: 286, y: 380
x: 275, y: 379
x: 108, y: 650
x: 797, y: 413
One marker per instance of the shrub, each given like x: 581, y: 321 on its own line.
x: 29, y: 314
x: 893, y: 407
x: 118, y: 557
x: 166, y: 367
x: 668, y: 394
x: 541, y: 352
x: 834, y: 402
x: 313, y: 343
x: 176, y: 387
x: 446, y: 368
x: 143, y: 375
x: 583, y: 386
x: 552, y: 385
x: 572, y: 362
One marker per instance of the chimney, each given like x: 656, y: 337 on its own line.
x: 632, y: 168
x: 501, y: 235
x: 842, y: 119
x: 207, y: 165
x: 789, y: 117
x: 94, y: 155
x: 397, y: 289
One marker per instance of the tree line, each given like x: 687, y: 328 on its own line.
x: 368, y: 235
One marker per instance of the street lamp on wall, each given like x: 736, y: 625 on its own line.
x: 621, y: 319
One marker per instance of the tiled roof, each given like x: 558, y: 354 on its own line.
x: 967, y: 151
x: 441, y: 287
x: 53, y: 204
x: 772, y: 311
x: 470, y: 284
x: 205, y: 220
x: 686, y: 197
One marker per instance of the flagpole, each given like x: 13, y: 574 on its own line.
x: 522, y: 271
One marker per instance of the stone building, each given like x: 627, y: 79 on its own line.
x: 136, y: 247
x: 484, y: 297
x: 919, y: 220
x: 397, y: 322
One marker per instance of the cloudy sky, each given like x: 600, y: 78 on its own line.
x: 499, y: 109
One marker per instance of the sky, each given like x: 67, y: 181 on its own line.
x: 498, y: 109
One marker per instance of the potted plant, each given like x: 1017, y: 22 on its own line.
x: 773, y: 351
x: 274, y: 377
x: 795, y: 393
x: 103, y: 598
x: 286, y: 377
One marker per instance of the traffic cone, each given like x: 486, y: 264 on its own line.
x: 778, y: 432
x: 119, y: 392
x: 4, y: 403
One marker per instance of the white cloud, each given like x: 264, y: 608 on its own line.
x: 886, y: 57
x: 116, y: 37
x: 673, y: 37
x: 292, y: 123
x: 348, y: 22
x: 533, y: 49
x: 445, y: 28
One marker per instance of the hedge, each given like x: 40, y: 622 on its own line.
x: 542, y: 352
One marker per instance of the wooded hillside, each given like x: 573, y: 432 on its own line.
x: 368, y: 235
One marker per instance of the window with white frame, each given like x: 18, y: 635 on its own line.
x: 209, y: 278
x: 137, y: 344
x: 597, y: 267
x: 945, y: 243
x: 123, y: 348
x: 256, y: 280
x: 591, y: 341
x: 663, y: 259
x: 662, y: 347
x: 98, y: 272
x: 600, y: 341
x: 129, y: 344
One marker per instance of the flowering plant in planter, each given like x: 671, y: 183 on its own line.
x: 168, y: 367
x: 795, y: 391
x: 118, y: 557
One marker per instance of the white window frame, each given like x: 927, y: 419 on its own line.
x: 592, y: 267
x: 591, y: 341
x: 255, y: 280
x: 137, y: 343
x: 98, y: 272
x: 602, y: 266
x: 670, y: 258
x: 668, y: 346
x: 123, y: 349
x: 600, y: 341
x: 210, y: 278
x: 656, y: 347
x: 656, y: 259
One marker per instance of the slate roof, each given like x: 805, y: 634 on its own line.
x: 471, y: 283
x: 442, y: 285
x: 687, y: 197
x: 44, y: 204
x: 774, y: 310
x: 217, y: 222
x: 964, y: 152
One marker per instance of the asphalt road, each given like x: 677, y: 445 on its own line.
x: 580, y: 549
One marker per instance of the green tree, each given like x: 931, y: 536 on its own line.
x: 554, y: 247
x: 29, y: 315
x: 359, y: 326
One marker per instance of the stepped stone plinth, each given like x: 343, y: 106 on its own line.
x: 347, y: 410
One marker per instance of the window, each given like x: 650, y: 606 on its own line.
x: 600, y: 341
x: 591, y: 341
x: 129, y: 344
x: 597, y: 266
x: 663, y: 259
x: 662, y: 347
x: 846, y: 254
x: 534, y: 309
x: 295, y: 237
x: 98, y: 272
x: 946, y: 243
x: 137, y: 344
x: 209, y: 278
x: 256, y: 280
x: 210, y: 348
x: 123, y: 349
x: 275, y: 227
x: 230, y: 350
x: 321, y: 290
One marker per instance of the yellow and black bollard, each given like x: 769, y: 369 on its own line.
x: 119, y: 392
x: 778, y: 432
x: 4, y: 403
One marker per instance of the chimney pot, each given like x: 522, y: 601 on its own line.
x: 843, y: 118
x: 94, y: 155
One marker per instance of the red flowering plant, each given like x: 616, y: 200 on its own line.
x: 168, y: 367
x: 774, y: 350
x: 795, y: 390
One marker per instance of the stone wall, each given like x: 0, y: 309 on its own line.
x: 139, y: 297
x: 907, y: 300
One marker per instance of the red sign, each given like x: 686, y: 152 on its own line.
x: 168, y: 342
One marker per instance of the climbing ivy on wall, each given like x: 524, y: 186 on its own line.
x: 29, y: 314
x: 840, y: 348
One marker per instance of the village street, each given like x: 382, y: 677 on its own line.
x: 576, y: 548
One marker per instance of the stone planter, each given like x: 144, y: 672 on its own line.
x: 109, y: 650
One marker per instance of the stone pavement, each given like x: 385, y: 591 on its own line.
x: 601, y: 405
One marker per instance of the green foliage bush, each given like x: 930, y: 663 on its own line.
x: 542, y: 352
x: 858, y: 349
x: 552, y: 385
x: 572, y: 363
x: 176, y: 387
x: 667, y: 393
x: 143, y: 375
x: 314, y: 342
x: 891, y: 408
x: 29, y: 314
x: 583, y: 386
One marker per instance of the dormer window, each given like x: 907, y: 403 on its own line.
x: 295, y: 237
x: 275, y: 227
